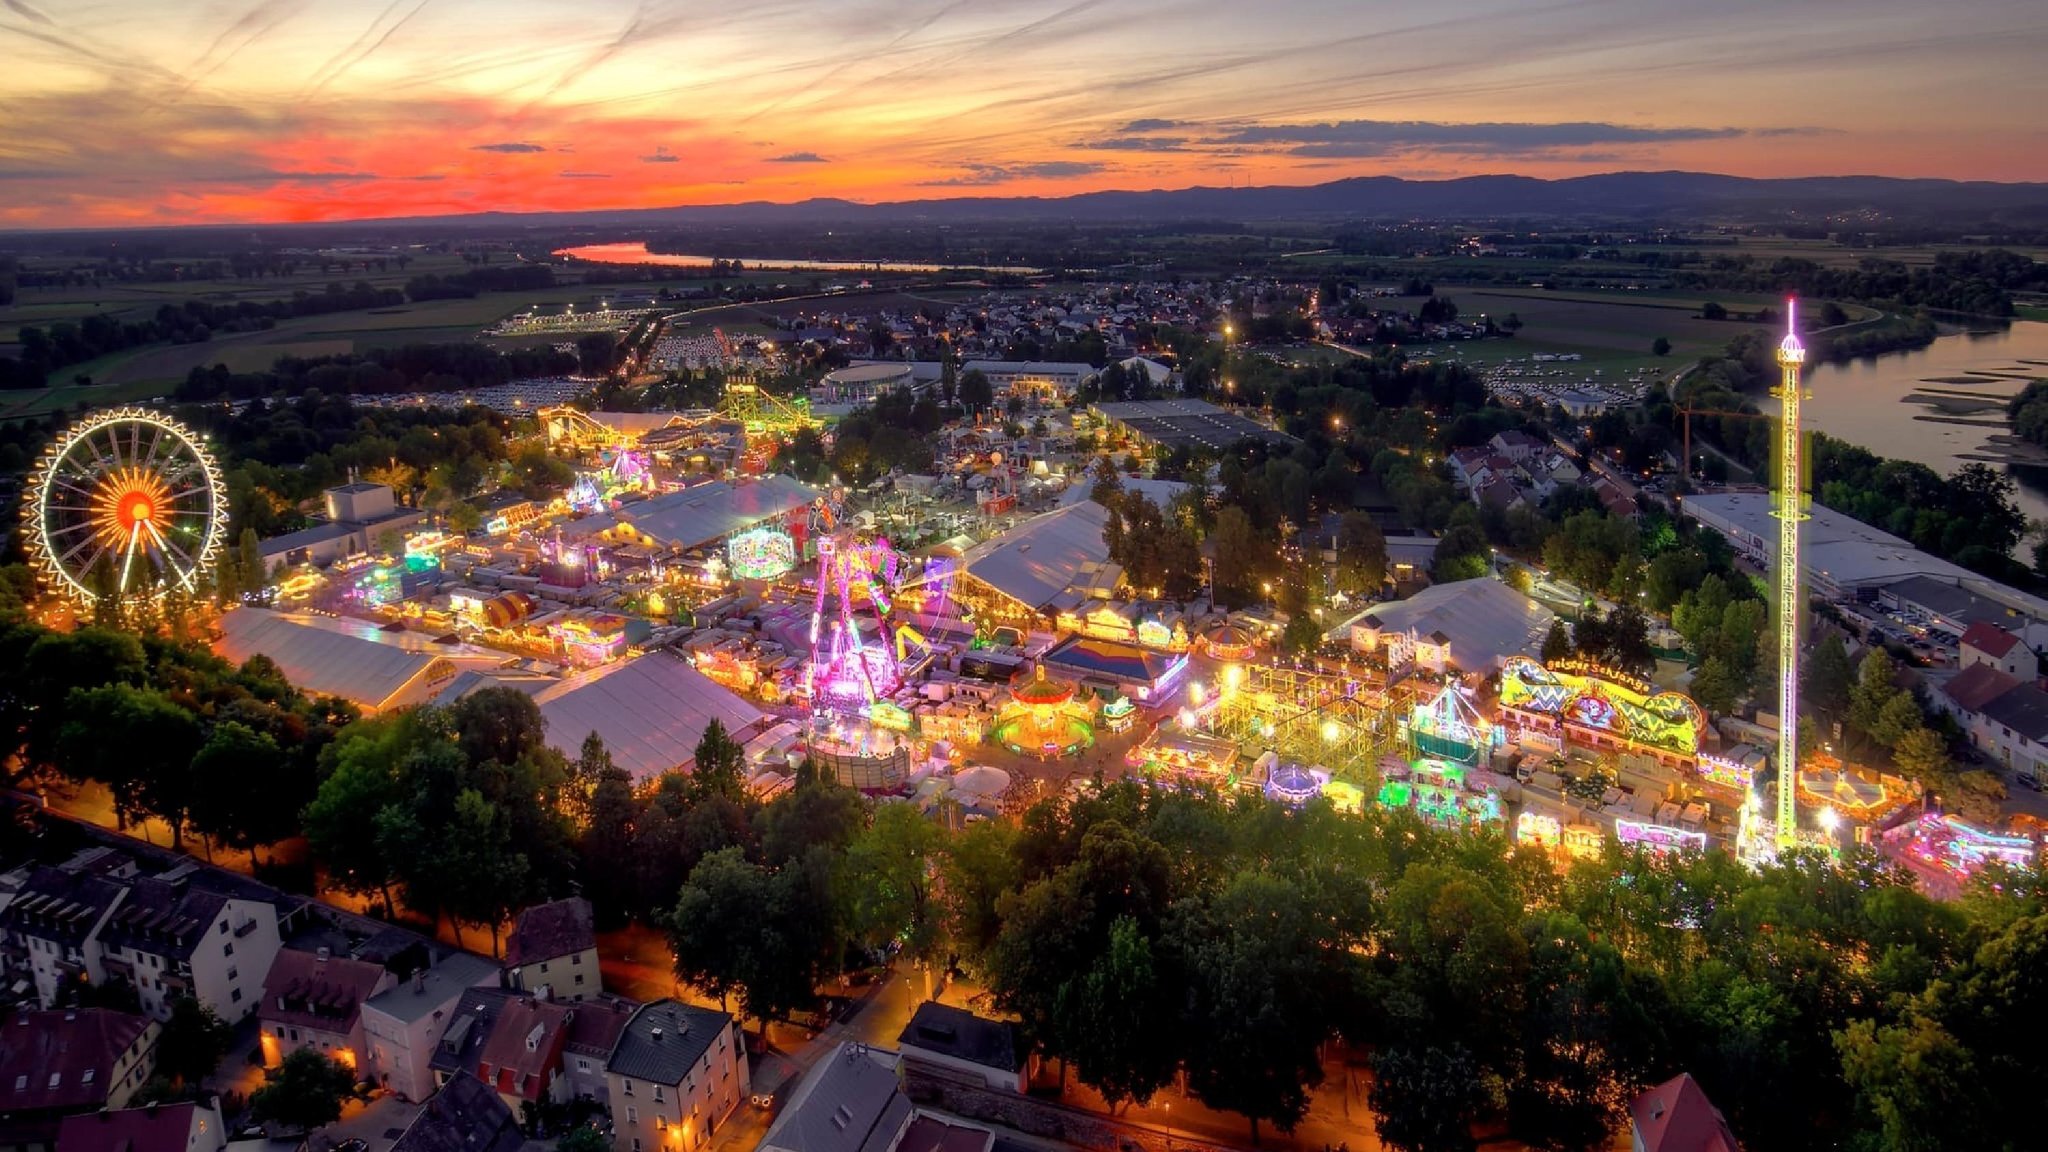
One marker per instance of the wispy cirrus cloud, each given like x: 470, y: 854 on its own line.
x: 1136, y: 144
x: 660, y: 155
x: 509, y: 147
x: 585, y: 175
x: 1365, y: 138
x: 983, y: 174
x: 798, y: 158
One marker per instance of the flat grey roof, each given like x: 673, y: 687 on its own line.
x: 1189, y: 423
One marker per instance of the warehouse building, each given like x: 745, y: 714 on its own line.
x: 1164, y: 425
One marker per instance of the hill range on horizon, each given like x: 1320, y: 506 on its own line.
x: 1647, y: 197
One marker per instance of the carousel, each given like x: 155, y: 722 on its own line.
x: 1044, y: 719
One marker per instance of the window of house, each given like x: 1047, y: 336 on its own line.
x: 543, y: 967
x: 228, y: 949
x: 56, y: 1078
x: 223, y: 927
x: 21, y: 1082
x: 632, y: 1114
x: 657, y: 1093
x: 87, y: 1078
x: 628, y: 1086
x: 636, y: 1144
x: 236, y: 995
x: 233, y: 973
x: 579, y: 979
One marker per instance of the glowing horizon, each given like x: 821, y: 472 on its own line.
x: 120, y: 112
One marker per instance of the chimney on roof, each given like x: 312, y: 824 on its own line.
x: 419, y: 979
x: 657, y: 1035
x: 322, y: 953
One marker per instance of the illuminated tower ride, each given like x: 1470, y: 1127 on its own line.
x: 1791, y: 509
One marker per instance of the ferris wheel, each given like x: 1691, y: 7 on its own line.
x: 128, y: 504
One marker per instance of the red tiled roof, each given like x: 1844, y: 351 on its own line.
x: 62, y: 1059
x: 1989, y: 639
x: 546, y: 931
x: 1676, y: 1116
x: 163, y: 1128
x: 595, y: 1030
x: 524, y: 1049
x: 323, y: 994
x: 1976, y: 686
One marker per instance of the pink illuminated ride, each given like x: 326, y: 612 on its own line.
x: 849, y: 671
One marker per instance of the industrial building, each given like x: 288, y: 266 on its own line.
x: 357, y: 514
x: 1168, y: 424
x: 1846, y: 559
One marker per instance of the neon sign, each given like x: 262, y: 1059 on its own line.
x: 1538, y: 829
x: 761, y: 553
x: 1604, y: 701
x: 1659, y: 837
x: 1725, y: 772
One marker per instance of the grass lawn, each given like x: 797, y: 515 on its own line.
x: 16, y: 405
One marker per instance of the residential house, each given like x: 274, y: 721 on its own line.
x: 1676, y: 1116
x: 1500, y: 494
x: 465, y: 1116
x: 594, y: 1031
x: 1986, y: 643
x: 187, y: 1127
x: 522, y: 1059
x: 469, y: 1029
x: 176, y: 936
x: 315, y: 1000
x: 954, y: 1040
x: 1516, y: 445
x: 62, y: 1062
x: 2002, y: 715
x: 49, y: 926
x: 854, y: 1100
x: 675, y: 1066
x: 1615, y: 499
x: 403, y: 1023
x: 554, y: 946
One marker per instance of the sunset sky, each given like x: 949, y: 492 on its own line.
x: 116, y: 112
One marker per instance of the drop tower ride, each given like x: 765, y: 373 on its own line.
x: 1791, y: 509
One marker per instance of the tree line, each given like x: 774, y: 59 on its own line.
x: 379, y: 371
x: 1140, y: 934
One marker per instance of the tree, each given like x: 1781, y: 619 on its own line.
x: 360, y: 773
x: 1828, y: 679
x: 1461, y: 554
x: 1873, y: 691
x: 1921, y: 755
x: 1661, y: 346
x: 1557, y: 643
x: 816, y: 813
x: 242, y: 793
x: 255, y: 570
x: 979, y: 868
x: 1979, y: 796
x: 139, y: 744
x: 977, y: 394
x: 583, y: 1138
x: 1108, y: 483
x: 1713, y: 310
x: 718, y: 767
x: 885, y: 882
x: 1237, y: 550
x: 1716, y: 687
x: 463, y: 518
x: 1124, y: 1012
x: 192, y: 1042
x: 1256, y: 1000
x: 740, y: 929
x: 304, y: 1092
x: 1361, y: 554
x: 1303, y: 634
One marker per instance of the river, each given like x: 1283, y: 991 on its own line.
x: 1959, y: 385
x: 637, y: 253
